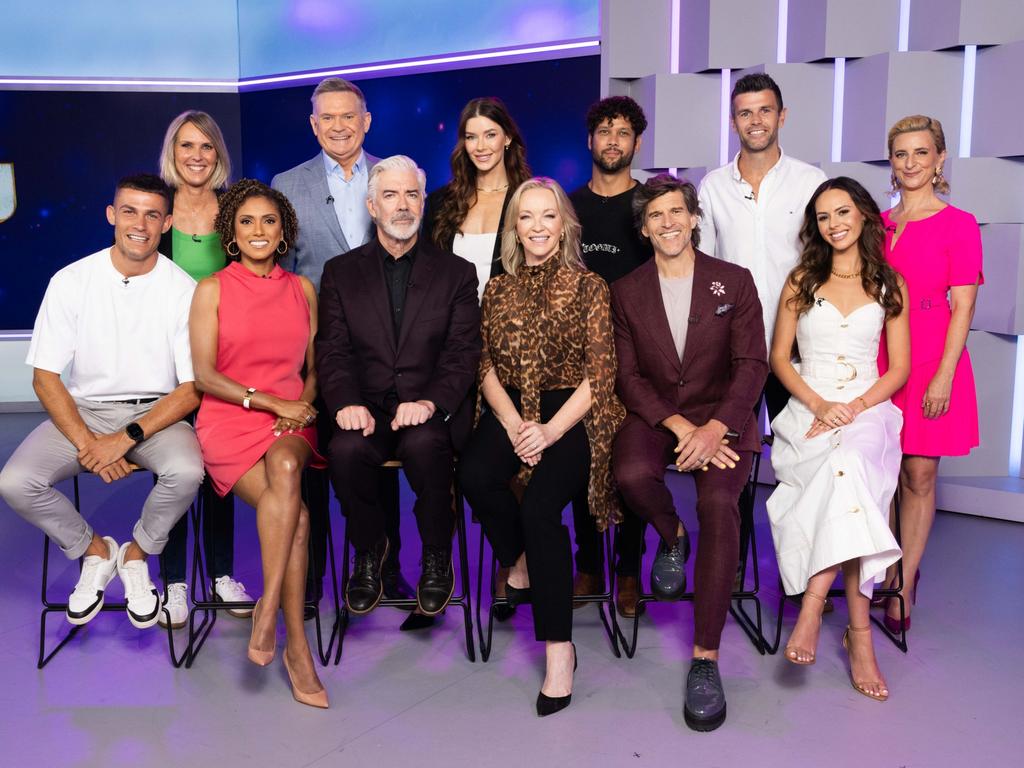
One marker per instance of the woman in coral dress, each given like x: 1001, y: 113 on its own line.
x: 252, y: 327
x: 837, y: 453
x: 937, y: 249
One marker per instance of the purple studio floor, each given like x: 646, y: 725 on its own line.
x: 111, y: 698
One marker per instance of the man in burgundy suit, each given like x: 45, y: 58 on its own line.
x: 689, y: 336
x: 396, y: 353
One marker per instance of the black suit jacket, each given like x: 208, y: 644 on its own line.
x: 430, y: 223
x: 438, y: 348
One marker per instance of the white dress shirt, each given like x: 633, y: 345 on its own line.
x: 761, y: 234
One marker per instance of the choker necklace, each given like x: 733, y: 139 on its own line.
x: 846, y: 277
x: 502, y: 188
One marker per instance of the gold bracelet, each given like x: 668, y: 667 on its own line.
x: 247, y: 400
x: 864, y: 403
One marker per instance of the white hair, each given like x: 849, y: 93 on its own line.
x: 394, y: 163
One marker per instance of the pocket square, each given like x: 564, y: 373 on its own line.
x: 721, y: 309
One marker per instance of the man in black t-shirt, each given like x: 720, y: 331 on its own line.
x: 612, y: 248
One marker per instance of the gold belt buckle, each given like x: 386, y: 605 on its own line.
x: 852, y: 368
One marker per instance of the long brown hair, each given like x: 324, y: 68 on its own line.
x: 878, y: 279
x: 460, y: 193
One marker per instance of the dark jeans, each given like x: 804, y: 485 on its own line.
x: 639, y: 457
x: 427, y: 459
x: 218, y: 539
x: 533, y: 525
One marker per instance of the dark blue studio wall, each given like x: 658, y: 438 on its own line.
x: 69, y: 148
x: 417, y: 115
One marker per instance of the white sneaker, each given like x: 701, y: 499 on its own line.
x: 175, y: 605
x: 140, y: 594
x: 87, y: 598
x: 227, y: 590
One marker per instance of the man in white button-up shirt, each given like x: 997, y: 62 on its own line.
x: 754, y: 206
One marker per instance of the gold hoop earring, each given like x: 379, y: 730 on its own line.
x: 278, y: 249
x: 938, y: 178
x: 235, y: 252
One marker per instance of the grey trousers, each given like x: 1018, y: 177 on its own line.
x: 46, y: 457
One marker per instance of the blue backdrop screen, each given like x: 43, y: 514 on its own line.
x: 68, y: 149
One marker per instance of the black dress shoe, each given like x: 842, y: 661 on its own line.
x: 395, y: 585
x: 548, y: 705
x: 704, y: 700
x: 364, y: 587
x: 437, y: 582
x: 668, y: 573
x: 517, y: 596
x: 416, y: 621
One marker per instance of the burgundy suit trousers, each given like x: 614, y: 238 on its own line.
x: 639, y: 457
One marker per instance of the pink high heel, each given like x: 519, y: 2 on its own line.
x: 897, y: 626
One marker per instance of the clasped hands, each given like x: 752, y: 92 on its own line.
x: 830, y: 415
x: 530, y: 438
x: 103, y: 455
x: 699, y: 447
x: 410, y: 414
x: 293, y: 415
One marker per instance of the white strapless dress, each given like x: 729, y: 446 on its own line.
x: 832, y: 501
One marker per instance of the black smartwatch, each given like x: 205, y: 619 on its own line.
x: 134, y: 431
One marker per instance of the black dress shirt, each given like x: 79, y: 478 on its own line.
x: 396, y: 277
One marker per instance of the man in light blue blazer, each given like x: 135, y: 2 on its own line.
x: 328, y: 193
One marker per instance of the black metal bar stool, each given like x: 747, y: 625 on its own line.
x: 899, y: 639
x: 51, y: 606
x: 604, y: 600
x: 462, y: 600
x: 742, y: 594
x: 203, y: 600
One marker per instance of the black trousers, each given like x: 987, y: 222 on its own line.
x: 533, y: 525
x: 218, y: 539
x: 590, y: 545
x: 427, y: 458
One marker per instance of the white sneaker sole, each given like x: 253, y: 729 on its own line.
x: 146, y: 623
x: 87, y: 617
x: 161, y: 619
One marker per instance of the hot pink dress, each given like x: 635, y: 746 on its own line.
x: 934, y: 254
x: 263, y: 334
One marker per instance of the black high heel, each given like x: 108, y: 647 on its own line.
x: 516, y: 596
x: 548, y: 705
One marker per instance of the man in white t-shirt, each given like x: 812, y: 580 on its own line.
x: 754, y: 206
x: 118, y: 322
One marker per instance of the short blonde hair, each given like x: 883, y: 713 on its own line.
x: 209, y: 128
x: 512, y: 255
x: 911, y: 124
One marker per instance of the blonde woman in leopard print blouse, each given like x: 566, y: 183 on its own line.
x: 547, y: 416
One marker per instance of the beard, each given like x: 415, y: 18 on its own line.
x: 401, y: 228
x: 624, y: 161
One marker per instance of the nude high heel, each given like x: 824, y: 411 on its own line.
x: 796, y: 654
x: 316, y: 699
x: 256, y: 656
x: 862, y: 686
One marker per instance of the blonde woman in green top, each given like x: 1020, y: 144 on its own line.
x: 194, y: 162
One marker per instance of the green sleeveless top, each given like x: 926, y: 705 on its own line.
x: 200, y: 256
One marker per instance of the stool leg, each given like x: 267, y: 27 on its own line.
x: 467, y: 609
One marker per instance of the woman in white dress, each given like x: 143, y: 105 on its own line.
x: 837, y: 442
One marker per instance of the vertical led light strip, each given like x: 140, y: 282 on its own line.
x: 1017, y: 414
x: 673, y: 64
x: 723, y: 146
x: 967, y: 101
x: 837, y: 110
x: 780, y: 46
x: 903, y: 43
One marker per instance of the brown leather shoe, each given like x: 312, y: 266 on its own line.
x: 627, y: 594
x: 587, y: 584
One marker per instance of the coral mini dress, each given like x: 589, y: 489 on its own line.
x: 933, y: 255
x: 263, y: 325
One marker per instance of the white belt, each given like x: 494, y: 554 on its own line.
x: 841, y: 371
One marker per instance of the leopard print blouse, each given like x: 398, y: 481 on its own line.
x: 549, y: 327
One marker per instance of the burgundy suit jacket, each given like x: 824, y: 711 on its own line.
x: 438, y: 349
x: 724, y: 364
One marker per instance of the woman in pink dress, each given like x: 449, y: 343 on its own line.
x: 937, y: 249
x: 252, y: 327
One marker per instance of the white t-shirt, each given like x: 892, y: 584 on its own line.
x: 122, y: 340
x: 762, y: 235
x: 478, y: 250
